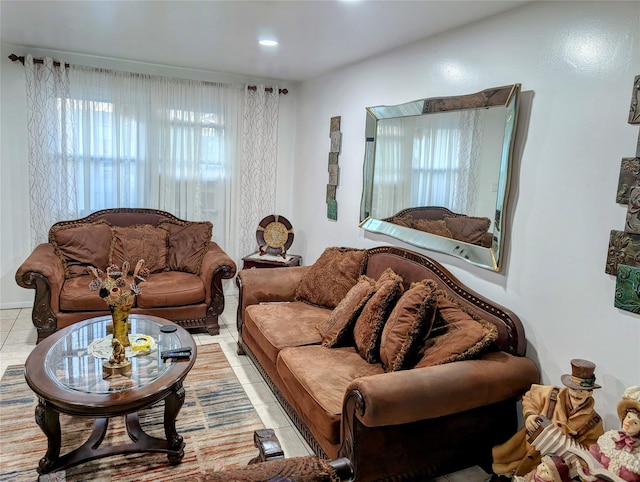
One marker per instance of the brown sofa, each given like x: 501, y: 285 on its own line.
x: 443, y: 222
x: 408, y: 424
x: 187, y: 268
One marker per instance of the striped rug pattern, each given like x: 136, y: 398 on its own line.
x: 217, y: 422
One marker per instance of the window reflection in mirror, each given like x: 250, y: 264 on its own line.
x: 451, y: 153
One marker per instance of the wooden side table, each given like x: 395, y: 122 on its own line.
x: 254, y: 260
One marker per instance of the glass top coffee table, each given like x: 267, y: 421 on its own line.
x: 68, y: 379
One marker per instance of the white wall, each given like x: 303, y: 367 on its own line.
x: 576, y: 62
x: 14, y: 169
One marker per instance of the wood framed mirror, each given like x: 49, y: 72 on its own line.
x: 437, y: 171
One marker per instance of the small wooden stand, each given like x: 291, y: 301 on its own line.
x: 110, y: 369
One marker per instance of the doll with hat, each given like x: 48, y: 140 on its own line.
x: 619, y: 450
x: 570, y: 408
x: 551, y: 468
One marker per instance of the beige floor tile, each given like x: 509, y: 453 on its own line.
x: 292, y: 445
x: 272, y: 415
x: 24, y: 337
x: 247, y: 374
x: 259, y: 393
x: 3, y: 337
x: 23, y: 322
x: 6, y: 324
x: 11, y: 314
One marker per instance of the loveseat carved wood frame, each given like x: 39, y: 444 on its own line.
x: 41, y: 272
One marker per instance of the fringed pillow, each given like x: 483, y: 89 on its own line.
x: 331, y: 277
x: 337, y: 330
x: 81, y: 245
x: 368, y: 327
x: 432, y: 226
x: 408, y: 326
x: 133, y: 243
x: 188, y: 244
x: 467, y: 228
x: 456, y: 334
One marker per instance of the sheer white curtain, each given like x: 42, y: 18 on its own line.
x: 147, y: 141
x: 392, y: 167
x: 102, y: 139
x: 258, y: 164
x: 51, y: 185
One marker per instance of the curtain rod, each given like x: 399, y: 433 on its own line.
x: 15, y: 58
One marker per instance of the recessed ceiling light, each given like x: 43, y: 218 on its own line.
x: 268, y: 42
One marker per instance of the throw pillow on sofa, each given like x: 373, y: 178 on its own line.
x: 133, y: 243
x: 82, y: 245
x: 408, y: 326
x: 433, y: 226
x: 456, y: 335
x: 188, y: 244
x: 336, y: 330
x: 331, y: 277
x: 368, y: 327
x: 467, y: 228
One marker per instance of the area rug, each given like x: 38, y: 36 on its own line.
x: 217, y: 422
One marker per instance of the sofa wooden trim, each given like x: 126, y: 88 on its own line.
x: 43, y: 272
x: 485, y: 416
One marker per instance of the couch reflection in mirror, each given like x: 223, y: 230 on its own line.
x: 443, y: 222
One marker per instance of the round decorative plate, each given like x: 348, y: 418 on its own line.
x: 274, y: 235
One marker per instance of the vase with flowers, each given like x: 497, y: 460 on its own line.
x: 119, y: 293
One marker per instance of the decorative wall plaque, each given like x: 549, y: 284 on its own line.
x: 334, y: 151
x: 627, y: 286
x: 623, y: 255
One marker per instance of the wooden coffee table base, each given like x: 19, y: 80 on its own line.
x: 48, y: 418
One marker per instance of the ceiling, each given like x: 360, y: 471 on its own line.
x: 315, y: 37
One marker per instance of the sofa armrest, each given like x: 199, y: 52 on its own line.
x: 423, y: 393
x: 216, y: 266
x: 269, y: 284
x: 43, y: 270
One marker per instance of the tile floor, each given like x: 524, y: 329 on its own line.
x: 18, y: 337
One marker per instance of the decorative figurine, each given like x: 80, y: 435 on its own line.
x: 570, y: 408
x: 551, y: 468
x: 117, y: 357
x: 619, y: 450
x: 117, y: 364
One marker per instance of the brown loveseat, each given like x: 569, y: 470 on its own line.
x: 438, y: 412
x: 443, y: 222
x: 187, y: 268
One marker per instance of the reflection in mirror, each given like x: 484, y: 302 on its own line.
x: 436, y: 172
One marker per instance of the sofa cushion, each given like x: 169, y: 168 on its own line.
x: 338, y: 328
x: 331, y: 277
x: 281, y: 325
x: 456, y: 334
x: 188, y: 243
x: 405, y: 220
x: 133, y: 243
x: 408, y: 326
x: 317, y: 378
x: 81, y: 245
x: 170, y: 288
x: 76, y: 296
x: 369, y: 324
x: 467, y: 228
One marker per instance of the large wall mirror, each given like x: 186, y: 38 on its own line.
x: 437, y: 173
